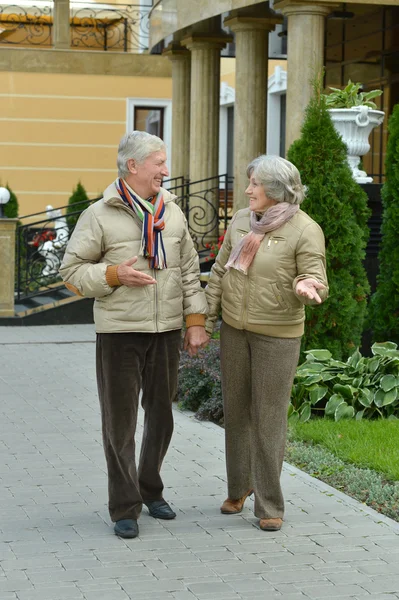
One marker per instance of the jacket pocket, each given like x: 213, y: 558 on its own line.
x: 279, y: 295
x: 132, y: 304
x: 170, y: 295
x: 238, y: 235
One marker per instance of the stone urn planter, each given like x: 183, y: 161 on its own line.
x: 355, y: 125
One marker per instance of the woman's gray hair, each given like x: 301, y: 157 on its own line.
x: 137, y: 145
x: 280, y: 179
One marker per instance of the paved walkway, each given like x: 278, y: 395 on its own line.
x: 56, y: 542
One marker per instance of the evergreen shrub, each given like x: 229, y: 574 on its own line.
x: 77, y: 203
x: 339, y: 205
x: 11, y: 209
x: 384, y: 306
x: 199, y: 386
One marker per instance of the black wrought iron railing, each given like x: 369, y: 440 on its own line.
x: 120, y: 27
x: 124, y: 27
x: 41, y: 238
x: 26, y: 25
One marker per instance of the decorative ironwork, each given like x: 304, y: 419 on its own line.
x: 206, y: 206
x: 26, y: 25
x: 123, y: 27
x: 40, y: 245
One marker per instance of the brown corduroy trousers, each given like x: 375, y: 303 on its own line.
x: 257, y: 376
x: 126, y: 363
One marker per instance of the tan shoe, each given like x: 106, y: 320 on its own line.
x: 271, y: 524
x: 233, y: 507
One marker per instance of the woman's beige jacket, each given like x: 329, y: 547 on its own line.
x: 264, y: 301
x: 109, y: 233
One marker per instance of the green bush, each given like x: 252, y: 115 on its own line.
x: 77, y: 203
x: 11, y: 209
x: 339, y: 205
x: 358, y: 388
x: 199, y: 387
x: 384, y: 306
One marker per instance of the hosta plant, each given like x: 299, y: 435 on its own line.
x: 361, y: 387
x: 351, y: 96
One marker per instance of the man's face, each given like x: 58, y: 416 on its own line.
x: 146, y: 177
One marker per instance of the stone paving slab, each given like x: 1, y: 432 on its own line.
x: 56, y: 540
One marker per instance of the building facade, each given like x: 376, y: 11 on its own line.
x: 74, y: 77
x: 356, y: 40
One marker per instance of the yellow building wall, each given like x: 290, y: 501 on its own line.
x: 57, y: 129
x: 228, y: 69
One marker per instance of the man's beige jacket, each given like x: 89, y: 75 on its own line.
x: 264, y: 301
x: 109, y: 233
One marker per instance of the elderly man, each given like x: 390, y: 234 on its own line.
x: 133, y: 253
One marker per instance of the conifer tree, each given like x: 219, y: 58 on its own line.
x: 11, y: 209
x: 339, y: 205
x: 384, y: 306
x: 77, y: 203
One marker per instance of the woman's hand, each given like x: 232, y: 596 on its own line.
x: 308, y: 288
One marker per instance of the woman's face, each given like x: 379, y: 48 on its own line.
x: 258, y: 201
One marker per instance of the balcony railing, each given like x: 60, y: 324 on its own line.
x: 106, y: 27
x: 41, y: 238
x: 22, y: 25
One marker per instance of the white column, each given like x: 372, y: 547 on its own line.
x: 305, y: 47
x: 61, y: 24
x: 204, y: 133
x: 181, y: 84
x: 250, y: 107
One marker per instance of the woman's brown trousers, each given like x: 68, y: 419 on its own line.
x: 126, y: 363
x: 257, y: 376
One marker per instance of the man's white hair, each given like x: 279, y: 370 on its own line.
x: 137, y: 145
x: 280, y: 179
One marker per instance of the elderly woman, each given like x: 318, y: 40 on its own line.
x: 271, y: 263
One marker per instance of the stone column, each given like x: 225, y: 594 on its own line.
x: 7, y: 266
x: 181, y: 84
x: 61, y: 24
x: 250, y: 107
x: 204, y: 134
x: 305, y: 47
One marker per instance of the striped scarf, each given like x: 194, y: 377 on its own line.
x: 151, y: 213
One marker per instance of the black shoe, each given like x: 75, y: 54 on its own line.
x: 126, y: 528
x: 159, y: 509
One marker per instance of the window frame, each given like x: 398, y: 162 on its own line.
x: 156, y: 103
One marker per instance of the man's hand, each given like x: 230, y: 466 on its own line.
x: 132, y: 278
x: 195, y: 338
x: 308, y: 288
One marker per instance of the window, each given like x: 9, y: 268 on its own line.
x: 153, y: 115
x: 149, y: 119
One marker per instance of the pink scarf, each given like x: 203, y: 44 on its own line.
x: 242, y: 255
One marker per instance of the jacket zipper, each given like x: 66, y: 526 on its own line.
x: 128, y: 210
x: 156, y: 301
x: 244, y: 315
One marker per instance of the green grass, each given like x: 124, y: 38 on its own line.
x: 367, y: 444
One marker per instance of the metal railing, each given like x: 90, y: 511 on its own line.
x: 123, y: 27
x: 106, y: 27
x: 26, y: 25
x: 41, y: 238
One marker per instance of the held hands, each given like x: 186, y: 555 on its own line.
x: 132, y: 278
x: 308, y: 288
x: 195, y: 338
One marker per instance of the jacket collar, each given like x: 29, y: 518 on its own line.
x: 112, y: 198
